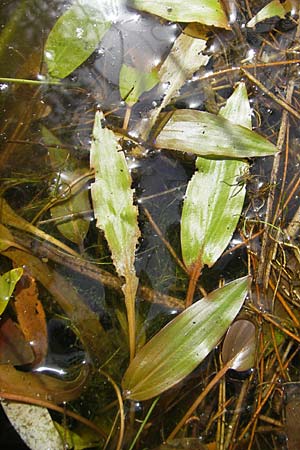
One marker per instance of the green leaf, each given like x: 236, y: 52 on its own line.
x: 239, y: 345
x: 215, y: 196
x: 206, y: 134
x: 208, y: 12
x: 184, y: 59
x: 133, y: 83
x: 77, y: 34
x: 181, y: 345
x: 8, y: 282
x: 116, y: 215
x: 272, y: 9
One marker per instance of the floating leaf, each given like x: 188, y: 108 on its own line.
x: 34, y: 424
x: 208, y: 12
x: 239, y: 345
x: 181, y: 345
x: 8, y: 282
x: 183, y: 60
x: 272, y: 9
x: 77, y: 34
x: 116, y: 215
x: 133, y: 83
x: 214, y: 196
x: 206, y: 134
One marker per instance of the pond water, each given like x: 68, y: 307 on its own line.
x: 46, y: 135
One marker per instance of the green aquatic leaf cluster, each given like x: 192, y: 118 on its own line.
x: 214, y: 196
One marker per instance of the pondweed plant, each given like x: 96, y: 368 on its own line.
x: 220, y: 145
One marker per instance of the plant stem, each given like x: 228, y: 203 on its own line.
x: 26, y: 81
x: 195, y: 274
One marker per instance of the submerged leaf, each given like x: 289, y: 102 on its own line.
x: 206, y: 134
x: 31, y: 317
x: 77, y: 33
x: 181, y: 345
x: 133, y: 83
x: 8, y: 282
x: 208, y: 12
x: 13, y: 347
x: 74, y: 193
x: 272, y: 9
x: 214, y: 198
x: 35, y: 385
x: 34, y: 424
x: 239, y: 345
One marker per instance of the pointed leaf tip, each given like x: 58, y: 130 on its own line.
x: 181, y: 345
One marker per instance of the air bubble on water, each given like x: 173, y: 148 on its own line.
x: 79, y: 32
x: 49, y: 55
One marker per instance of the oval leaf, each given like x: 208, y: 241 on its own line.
x: 133, y: 83
x: 76, y: 35
x: 214, y: 195
x: 181, y: 345
x: 206, y: 134
x: 208, y: 12
x: 239, y: 345
x: 8, y: 282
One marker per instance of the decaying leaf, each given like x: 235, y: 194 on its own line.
x: 43, y: 387
x: 31, y: 317
x: 115, y: 213
x: 209, y: 12
x: 34, y: 425
x: 182, y: 344
x: 184, y: 59
x: 214, y: 196
x: 206, y: 134
x: 8, y: 282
